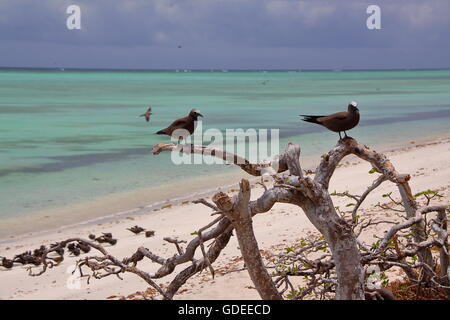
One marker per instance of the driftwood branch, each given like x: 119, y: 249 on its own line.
x: 254, y: 169
x: 339, y: 270
x: 240, y: 215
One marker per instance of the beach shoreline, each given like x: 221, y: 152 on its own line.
x: 119, y: 206
x: 427, y: 163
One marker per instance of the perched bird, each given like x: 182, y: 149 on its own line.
x: 337, y: 122
x: 183, y: 127
x: 136, y: 229
x: 147, y: 114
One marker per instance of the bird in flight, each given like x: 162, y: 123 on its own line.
x: 183, y: 127
x: 337, y: 122
x: 147, y: 114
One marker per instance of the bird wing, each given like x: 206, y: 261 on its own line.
x: 338, y: 115
x: 178, y: 123
x: 174, y: 126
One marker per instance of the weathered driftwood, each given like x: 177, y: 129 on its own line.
x: 254, y: 169
x: 238, y: 212
x: 294, y: 188
x: 314, y: 198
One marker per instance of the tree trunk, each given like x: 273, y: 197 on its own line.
x: 343, y: 246
x: 241, y: 218
x: 418, y: 231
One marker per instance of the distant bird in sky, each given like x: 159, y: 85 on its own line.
x: 337, y: 122
x: 147, y: 114
x: 183, y: 126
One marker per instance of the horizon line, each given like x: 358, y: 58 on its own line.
x: 183, y: 70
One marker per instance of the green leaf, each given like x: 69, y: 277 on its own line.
x: 428, y: 192
x: 350, y: 204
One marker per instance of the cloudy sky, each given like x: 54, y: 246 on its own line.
x: 231, y: 34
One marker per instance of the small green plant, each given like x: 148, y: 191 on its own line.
x: 295, y: 293
x: 428, y: 194
x: 384, y: 279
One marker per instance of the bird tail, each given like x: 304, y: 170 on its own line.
x: 312, y: 119
x: 161, y: 132
x: 142, y: 115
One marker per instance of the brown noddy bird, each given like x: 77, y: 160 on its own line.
x: 187, y: 123
x: 337, y: 122
x: 147, y: 114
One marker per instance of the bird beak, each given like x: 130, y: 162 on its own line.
x: 200, y: 115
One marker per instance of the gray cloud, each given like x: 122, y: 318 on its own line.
x: 225, y: 34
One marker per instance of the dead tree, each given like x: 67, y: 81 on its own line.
x: 348, y: 256
x: 313, y: 197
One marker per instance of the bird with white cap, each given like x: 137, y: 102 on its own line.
x: 338, y: 122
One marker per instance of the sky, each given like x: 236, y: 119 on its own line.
x: 225, y: 34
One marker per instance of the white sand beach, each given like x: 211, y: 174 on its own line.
x: 428, y: 164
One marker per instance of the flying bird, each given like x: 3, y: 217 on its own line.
x: 337, y: 122
x: 147, y: 114
x: 183, y: 126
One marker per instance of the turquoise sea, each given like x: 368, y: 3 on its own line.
x: 73, y: 136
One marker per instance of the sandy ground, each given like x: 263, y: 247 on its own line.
x: 427, y: 163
